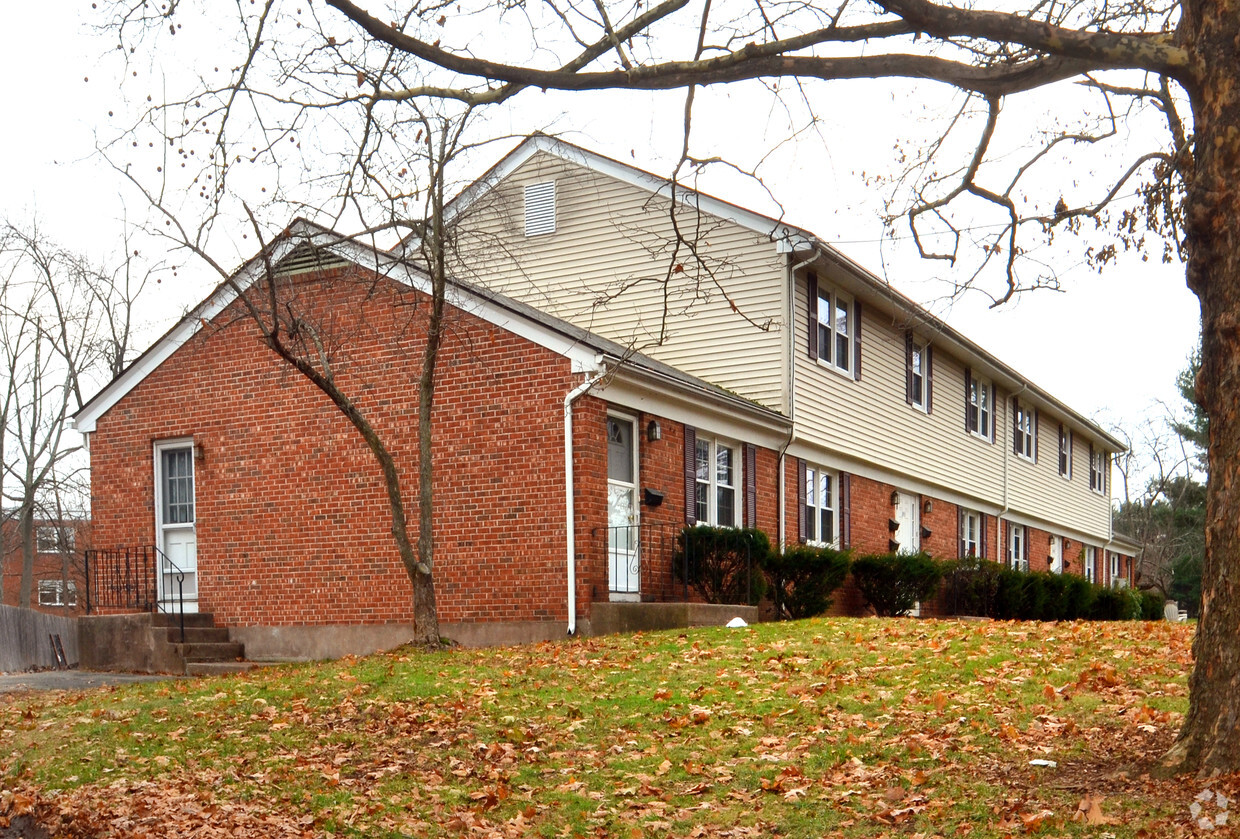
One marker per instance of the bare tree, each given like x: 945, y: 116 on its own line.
x: 1174, y: 61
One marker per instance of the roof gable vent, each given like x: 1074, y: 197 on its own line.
x: 540, y: 209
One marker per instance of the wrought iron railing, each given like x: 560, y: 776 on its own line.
x: 127, y: 579
x: 653, y: 562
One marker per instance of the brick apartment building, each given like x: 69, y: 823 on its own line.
x: 58, y: 580
x: 594, y: 395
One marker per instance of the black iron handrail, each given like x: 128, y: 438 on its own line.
x: 649, y: 560
x: 128, y: 578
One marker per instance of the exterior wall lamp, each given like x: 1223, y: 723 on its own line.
x: 654, y: 431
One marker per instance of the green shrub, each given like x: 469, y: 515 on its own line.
x: 804, y: 577
x: 1033, y: 600
x: 1056, y: 588
x: 723, y: 563
x: 971, y: 585
x: 894, y: 583
x: 1078, y: 597
x: 1115, y: 604
x: 1010, y: 596
x: 1152, y: 606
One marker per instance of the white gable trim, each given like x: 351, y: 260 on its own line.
x: 582, y: 358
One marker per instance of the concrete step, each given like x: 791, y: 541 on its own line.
x: 197, y: 619
x: 198, y: 635
x: 223, y: 668
x: 209, y: 651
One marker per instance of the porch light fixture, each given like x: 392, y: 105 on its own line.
x: 895, y: 497
x: 199, y: 452
x: 654, y: 431
x: 928, y: 507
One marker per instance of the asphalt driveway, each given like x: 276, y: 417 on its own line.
x: 11, y: 683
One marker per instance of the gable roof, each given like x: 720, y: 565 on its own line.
x: 787, y: 238
x: 301, y: 247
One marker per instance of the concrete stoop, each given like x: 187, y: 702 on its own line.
x: 153, y: 643
x: 203, y: 641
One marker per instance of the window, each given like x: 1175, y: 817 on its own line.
x: 54, y: 539
x: 1018, y: 547
x: 834, y: 329
x: 1065, y: 452
x: 1117, y: 575
x: 1099, y: 465
x: 970, y: 533
x: 540, y: 209
x: 1091, y: 560
x: 57, y: 593
x: 820, y: 506
x: 1024, y: 430
x: 716, y: 481
x: 918, y: 361
x: 978, y: 395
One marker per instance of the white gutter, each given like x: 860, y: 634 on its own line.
x: 570, y: 529
x: 782, y: 492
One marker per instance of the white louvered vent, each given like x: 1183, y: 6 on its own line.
x: 540, y: 209
x: 304, y: 259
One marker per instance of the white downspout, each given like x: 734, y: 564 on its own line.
x: 570, y: 529
x: 782, y: 493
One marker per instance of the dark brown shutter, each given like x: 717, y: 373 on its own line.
x: 968, y: 386
x: 1007, y: 543
x: 857, y: 340
x: 1016, y: 446
x: 690, y: 475
x: 908, y: 367
x: 1092, y: 480
x: 1036, y: 435
x: 751, y: 485
x: 801, y: 500
x: 981, y: 528
x: 927, y: 376
x: 961, y: 551
x: 845, y: 510
x: 1071, y: 463
x: 811, y: 293
x: 1025, y: 544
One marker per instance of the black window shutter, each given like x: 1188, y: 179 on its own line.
x: 801, y: 500
x: 908, y: 367
x: 1092, y: 480
x: 751, y: 485
x: 968, y: 386
x: 1007, y: 542
x: 845, y: 510
x: 1016, y: 447
x: 927, y: 374
x: 690, y: 475
x: 1035, y: 435
x: 857, y: 340
x: 811, y: 294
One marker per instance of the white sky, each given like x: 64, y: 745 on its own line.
x: 1110, y: 345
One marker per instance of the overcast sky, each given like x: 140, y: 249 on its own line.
x: 1110, y: 344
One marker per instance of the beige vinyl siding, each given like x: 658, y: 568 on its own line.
x: 611, y: 267
x: 870, y: 421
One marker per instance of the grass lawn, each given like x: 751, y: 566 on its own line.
x: 834, y: 727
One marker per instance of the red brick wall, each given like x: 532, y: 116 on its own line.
x: 47, y: 566
x: 293, y: 523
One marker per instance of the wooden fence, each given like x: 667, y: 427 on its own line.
x: 24, y: 641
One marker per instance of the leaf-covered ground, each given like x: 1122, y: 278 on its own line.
x: 840, y: 727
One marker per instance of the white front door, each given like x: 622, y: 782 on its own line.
x: 624, y: 564
x: 175, y: 534
x: 908, y: 534
x: 1056, y: 554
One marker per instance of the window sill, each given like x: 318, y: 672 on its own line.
x: 837, y: 370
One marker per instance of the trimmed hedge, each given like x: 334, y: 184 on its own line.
x: 894, y: 583
x: 724, y: 564
x: 986, y: 589
x: 804, y: 577
x: 1152, y: 606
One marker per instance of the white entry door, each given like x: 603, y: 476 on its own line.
x: 624, y: 564
x: 1056, y: 554
x: 175, y: 533
x: 908, y: 534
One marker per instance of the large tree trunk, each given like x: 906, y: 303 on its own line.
x: 1210, y: 740
x: 25, y: 527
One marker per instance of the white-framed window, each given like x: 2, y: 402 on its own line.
x: 1091, y: 562
x: 51, y: 538
x: 718, y: 481
x: 970, y: 533
x: 1018, y: 547
x: 979, y: 406
x: 1065, y: 452
x: 1024, y: 429
x: 821, y: 506
x: 835, y: 329
x: 1117, y: 576
x: 918, y: 361
x: 540, y: 209
x: 57, y: 593
x: 1099, y: 463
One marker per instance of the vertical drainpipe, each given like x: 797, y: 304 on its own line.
x: 1024, y: 386
x: 570, y: 529
x: 782, y: 494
